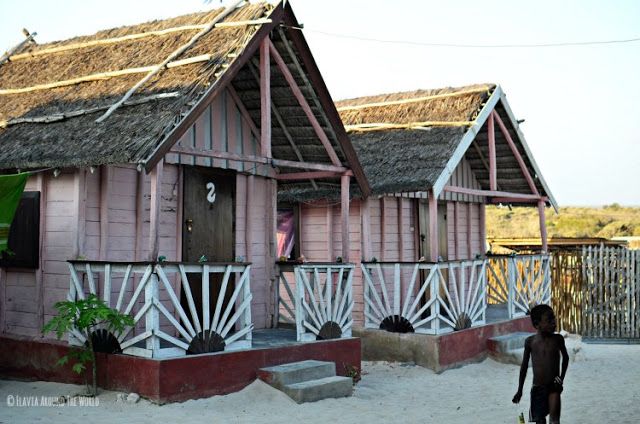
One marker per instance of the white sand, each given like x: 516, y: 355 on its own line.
x: 602, y: 387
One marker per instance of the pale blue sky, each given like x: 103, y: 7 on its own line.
x: 581, y: 104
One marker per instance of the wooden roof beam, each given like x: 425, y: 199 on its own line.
x: 215, y: 154
x: 287, y: 134
x: 516, y: 153
x: 295, y: 176
x: 303, y: 103
x: 491, y: 193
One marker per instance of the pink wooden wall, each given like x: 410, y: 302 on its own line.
x: 222, y: 128
x: 393, y: 217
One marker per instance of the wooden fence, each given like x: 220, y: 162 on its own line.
x: 610, y: 293
x: 566, y: 289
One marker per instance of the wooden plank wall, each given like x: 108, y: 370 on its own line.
x: 319, y: 244
x: 221, y: 127
x: 462, y: 176
x: 464, y: 232
x: 118, y: 234
x: 262, y: 240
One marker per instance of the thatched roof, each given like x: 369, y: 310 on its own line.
x: 404, y: 140
x: 128, y: 135
x: 55, y: 126
x: 411, y: 141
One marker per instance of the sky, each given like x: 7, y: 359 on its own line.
x: 580, y: 103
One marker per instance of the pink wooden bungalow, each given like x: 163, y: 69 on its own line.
x: 157, y: 151
x: 434, y: 159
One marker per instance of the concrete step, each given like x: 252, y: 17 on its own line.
x: 322, y: 388
x: 508, y: 348
x: 296, y: 372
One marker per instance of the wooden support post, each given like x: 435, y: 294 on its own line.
x: 365, y: 212
x: 265, y: 99
x: 105, y: 176
x: 329, y: 224
x: 492, y: 153
x: 469, y: 239
x: 543, y: 226
x: 139, y: 215
x: 248, y: 227
x: 179, y: 213
x: 344, y: 211
x: 400, y: 230
x: 456, y: 231
x: 382, y: 230
x: 80, y: 196
x: 42, y: 187
x: 433, y: 226
x: 154, y: 218
x: 483, y: 229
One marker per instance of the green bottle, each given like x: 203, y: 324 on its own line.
x: 521, y: 418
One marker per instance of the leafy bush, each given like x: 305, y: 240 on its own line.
x: 85, y: 316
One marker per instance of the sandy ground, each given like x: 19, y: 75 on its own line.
x: 601, y: 387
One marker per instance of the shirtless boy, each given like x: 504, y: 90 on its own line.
x: 544, y: 348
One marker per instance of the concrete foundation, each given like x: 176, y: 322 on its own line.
x: 440, y: 352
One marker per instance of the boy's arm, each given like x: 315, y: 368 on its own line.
x: 523, y: 370
x: 565, y: 358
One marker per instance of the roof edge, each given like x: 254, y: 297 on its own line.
x: 516, y: 126
x: 189, y: 119
x: 466, y: 141
x: 324, y: 97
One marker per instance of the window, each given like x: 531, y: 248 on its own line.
x: 24, y: 235
x: 288, y: 244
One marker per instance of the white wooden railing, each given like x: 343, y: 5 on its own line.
x: 519, y: 281
x: 421, y: 297
x: 151, y: 293
x: 319, y: 300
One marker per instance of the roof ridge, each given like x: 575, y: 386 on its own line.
x: 415, y: 99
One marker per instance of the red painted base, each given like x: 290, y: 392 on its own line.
x: 170, y: 380
x: 470, y: 345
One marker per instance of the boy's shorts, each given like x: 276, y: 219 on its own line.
x: 540, y: 401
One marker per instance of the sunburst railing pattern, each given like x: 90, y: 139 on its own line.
x: 317, y: 299
x: 428, y: 298
x: 159, y: 296
x: 519, y: 281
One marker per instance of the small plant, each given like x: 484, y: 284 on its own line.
x: 354, y: 372
x: 89, y: 317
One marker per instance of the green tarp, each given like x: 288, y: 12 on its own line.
x: 11, y: 187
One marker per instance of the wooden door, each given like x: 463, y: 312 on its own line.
x: 208, y: 228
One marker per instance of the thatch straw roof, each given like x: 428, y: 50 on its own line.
x: 132, y: 131
x: 406, y: 142
x: 409, y: 137
x: 52, y: 94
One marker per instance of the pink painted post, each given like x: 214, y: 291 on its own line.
x: 492, y: 153
x: 139, y: 215
x: 469, y: 240
x: 400, y: 229
x: 433, y: 226
x: 344, y: 211
x: 543, y: 226
x: 382, y: 229
x: 265, y: 99
x: 329, y: 223
x: 105, y: 176
x: 456, y: 230
x: 365, y: 211
x: 483, y: 228
x: 179, y: 214
x: 156, y: 199
x: 516, y: 153
x: 42, y: 187
x: 248, y: 236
